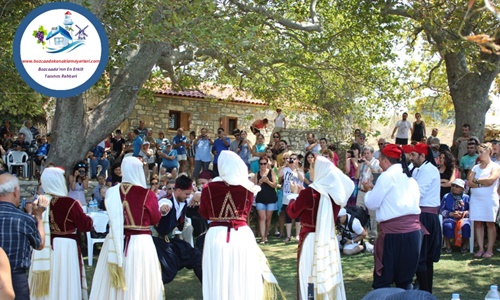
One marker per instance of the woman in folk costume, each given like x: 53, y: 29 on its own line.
x: 234, y: 267
x: 318, y: 254
x: 57, y: 271
x: 128, y: 267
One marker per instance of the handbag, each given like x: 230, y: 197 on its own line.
x: 458, y: 231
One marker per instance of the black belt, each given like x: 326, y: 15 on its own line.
x: 19, y: 271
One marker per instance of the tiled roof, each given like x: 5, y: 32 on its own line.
x: 220, y: 95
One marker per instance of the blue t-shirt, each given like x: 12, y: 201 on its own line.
x: 137, y: 146
x: 170, y: 163
x: 176, y: 140
x: 43, y: 150
x: 219, y: 147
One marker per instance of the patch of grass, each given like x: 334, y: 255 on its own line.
x: 454, y: 273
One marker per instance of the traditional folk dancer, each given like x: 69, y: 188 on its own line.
x: 319, y: 254
x: 395, y: 198
x: 429, y: 182
x: 128, y: 267
x: 175, y: 253
x: 57, y: 271
x: 234, y: 266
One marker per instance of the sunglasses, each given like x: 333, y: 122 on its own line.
x: 263, y: 164
x: 276, y: 137
x: 380, y: 144
x: 236, y: 135
x: 293, y: 158
x: 81, y: 166
x: 154, y: 183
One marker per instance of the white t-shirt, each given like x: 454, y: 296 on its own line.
x: 403, y: 129
x: 279, y: 120
x: 288, y: 176
x: 357, y: 229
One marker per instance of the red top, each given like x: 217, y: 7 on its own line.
x: 306, y: 207
x: 259, y: 124
x: 66, y: 216
x: 222, y: 202
x: 140, y: 207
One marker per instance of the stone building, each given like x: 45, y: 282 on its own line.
x: 193, y: 110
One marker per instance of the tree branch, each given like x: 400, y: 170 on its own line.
x: 314, y: 27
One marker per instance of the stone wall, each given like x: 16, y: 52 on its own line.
x: 27, y: 186
x: 208, y: 113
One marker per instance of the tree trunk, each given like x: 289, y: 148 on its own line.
x: 469, y: 91
x: 76, y: 131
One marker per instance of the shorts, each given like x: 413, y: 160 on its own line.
x: 169, y: 169
x: 268, y: 206
x: 151, y: 165
x: 401, y: 141
x: 181, y: 157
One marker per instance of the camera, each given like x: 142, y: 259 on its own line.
x: 82, y: 172
x: 345, y: 237
x: 361, y: 160
x: 219, y: 131
x: 291, y: 161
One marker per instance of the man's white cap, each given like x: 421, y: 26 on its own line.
x: 342, y: 212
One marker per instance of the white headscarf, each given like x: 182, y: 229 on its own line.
x: 53, y: 182
x: 329, y: 181
x: 133, y: 171
x: 233, y: 170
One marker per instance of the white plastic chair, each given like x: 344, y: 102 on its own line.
x: 101, y: 221
x: 19, y: 159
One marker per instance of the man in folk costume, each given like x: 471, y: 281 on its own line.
x: 128, y: 267
x: 395, y: 198
x: 318, y: 206
x: 234, y: 266
x: 429, y: 181
x: 175, y: 253
x: 58, y: 273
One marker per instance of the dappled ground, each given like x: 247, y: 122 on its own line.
x: 455, y: 273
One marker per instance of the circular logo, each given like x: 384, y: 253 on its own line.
x: 60, y: 49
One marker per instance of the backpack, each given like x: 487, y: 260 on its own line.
x: 359, y: 213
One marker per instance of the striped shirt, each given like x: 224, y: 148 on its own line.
x: 18, y: 235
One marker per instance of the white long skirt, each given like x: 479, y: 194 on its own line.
x: 66, y: 281
x: 141, y: 268
x: 234, y: 270
x: 305, y: 269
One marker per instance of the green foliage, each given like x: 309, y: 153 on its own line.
x: 16, y: 97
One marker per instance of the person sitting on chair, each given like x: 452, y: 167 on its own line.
x: 455, y: 207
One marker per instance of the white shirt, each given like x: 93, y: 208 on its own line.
x: 377, y: 154
x: 278, y: 122
x: 28, y: 136
x: 365, y: 173
x: 429, y: 183
x: 403, y: 129
x: 394, y: 195
x: 316, y: 149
